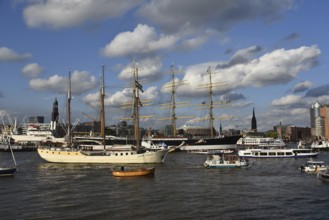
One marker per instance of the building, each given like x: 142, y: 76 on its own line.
x: 319, y: 121
x: 295, y: 134
x: 324, y: 113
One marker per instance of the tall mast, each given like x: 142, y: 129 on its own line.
x: 173, y: 105
x: 211, y: 116
x: 136, y: 89
x: 102, y: 96
x: 69, y: 111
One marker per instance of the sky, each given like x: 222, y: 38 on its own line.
x: 267, y: 55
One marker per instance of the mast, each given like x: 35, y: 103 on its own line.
x: 137, y: 102
x: 211, y: 116
x: 102, y: 96
x: 173, y: 105
x: 69, y: 111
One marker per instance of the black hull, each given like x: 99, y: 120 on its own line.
x: 229, y: 140
x: 7, y: 171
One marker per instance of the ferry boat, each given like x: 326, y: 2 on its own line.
x: 264, y: 142
x: 225, y: 161
x: 313, y: 166
x: 277, y: 153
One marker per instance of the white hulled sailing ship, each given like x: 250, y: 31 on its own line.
x: 72, y: 152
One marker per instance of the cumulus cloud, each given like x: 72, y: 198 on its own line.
x: 9, y: 55
x: 66, y: 13
x: 280, y: 66
x: 81, y: 81
x: 32, y: 70
x: 287, y: 100
x: 175, y: 16
x: 273, y: 68
x: 302, y: 86
x: 142, y: 40
x: 121, y: 98
x: 148, y: 69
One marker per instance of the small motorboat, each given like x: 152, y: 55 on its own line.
x: 313, y: 166
x: 225, y: 161
x: 323, y: 175
x: 133, y: 172
x: 7, y: 171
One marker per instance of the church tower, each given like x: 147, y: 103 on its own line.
x: 253, y: 121
x: 54, y: 116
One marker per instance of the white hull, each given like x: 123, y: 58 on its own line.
x: 277, y: 153
x: 34, y: 139
x: 222, y: 161
x: 111, y: 157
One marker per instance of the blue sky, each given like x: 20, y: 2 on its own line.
x: 267, y: 55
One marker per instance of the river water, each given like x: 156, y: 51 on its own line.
x: 180, y: 189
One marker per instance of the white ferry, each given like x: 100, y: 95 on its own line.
x: 225, y: 161
x: 313, y: 166
x: 277, y: 153
x: 260, y: 142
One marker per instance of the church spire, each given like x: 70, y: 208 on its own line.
x: 54, y: 115
x: 253, y: 121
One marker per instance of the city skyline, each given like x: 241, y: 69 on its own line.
x: 268, y: 55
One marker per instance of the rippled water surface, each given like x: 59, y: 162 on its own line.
x: 181, y: 189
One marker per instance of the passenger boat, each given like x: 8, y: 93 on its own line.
x: 313, y: 166
x: 225, y: 161
x: 72, y: 152
x: 263, y: 142
x: 134, y: 172
x: 323, y: 175
x: 277, y: 153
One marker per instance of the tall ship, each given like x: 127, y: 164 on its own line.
x: 191, y: 143
x: 73, y: 152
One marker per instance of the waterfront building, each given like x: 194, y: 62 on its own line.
x: 319, y: 121
x: 295, y: 134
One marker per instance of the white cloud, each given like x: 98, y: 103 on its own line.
x: 66, y: 13
x: 279, y: 66
x: 81, y: 81
x: 9, y: 55
x: 143, y: 40
x: 148, y: 69
x: 121, y: 98
x: 287, y: 100
x: 276, y: 67
x: 32, y: 70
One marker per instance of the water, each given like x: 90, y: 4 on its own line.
x: 181, y: 189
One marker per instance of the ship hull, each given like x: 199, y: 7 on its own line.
x: 124, y: 157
